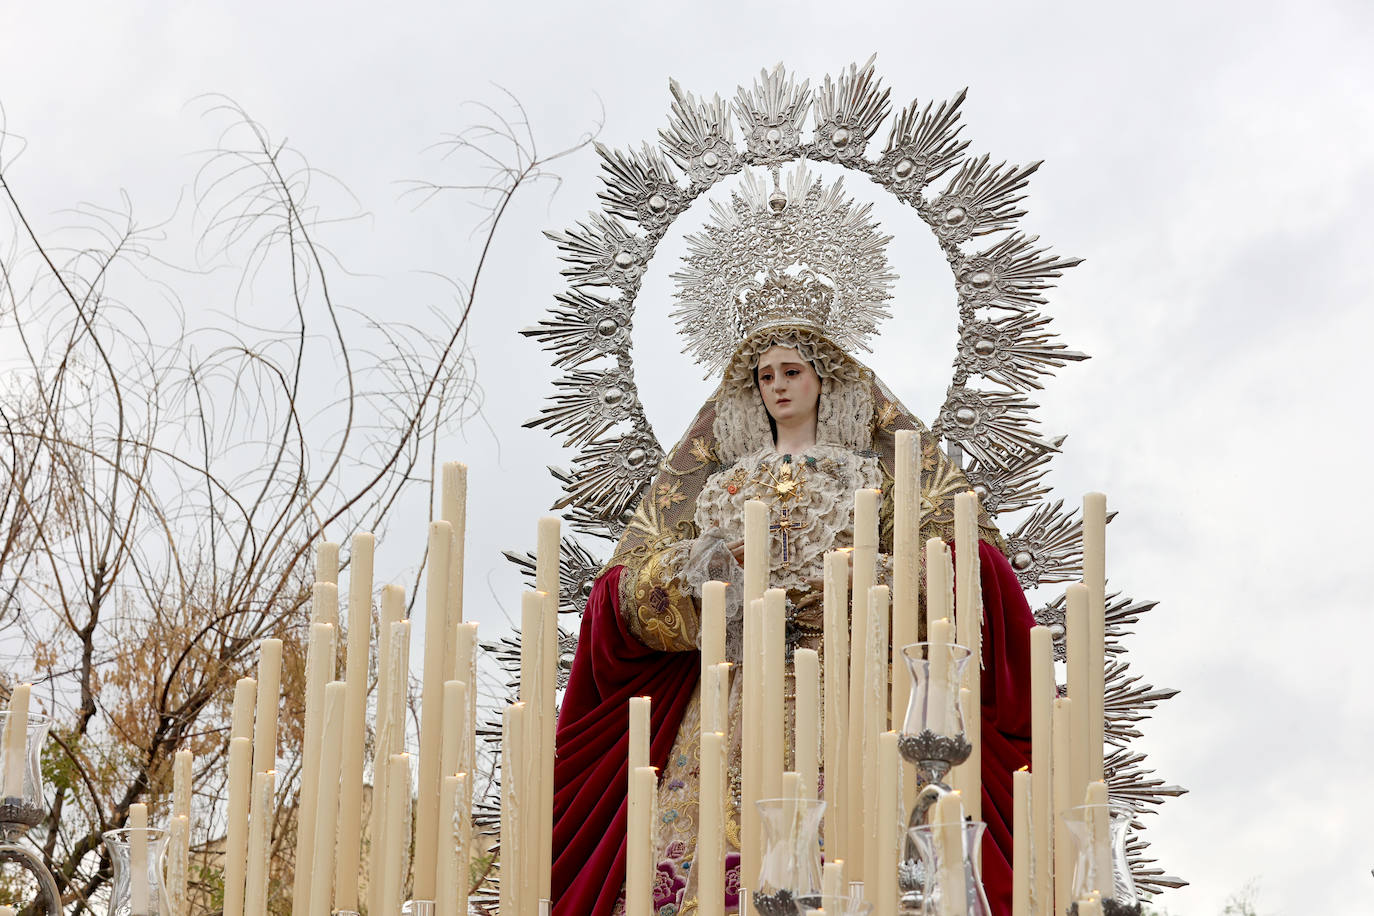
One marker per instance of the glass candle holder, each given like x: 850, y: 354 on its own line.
x: 790, y: 872
x: 21, y: 775
x: 137, y: 891
x: 1098, y: 833
x: 937, y: 671
x: 853, y: 905
x: 951, y: 857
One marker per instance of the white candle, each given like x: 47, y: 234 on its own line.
x: 774, y: 675
x: 138, y: 860
x: 906, y: 576
x: 236, y: 838
x: 874, y: 724
x: 327, y: 806
x: 324, y: 603
x: 863, y: 557
x: 889, y: 833
x: 181, y: 783
x: 1099, y: 825
x: 431, y: 706
x: 832, y: 879
x: 1062, y: 772
x: 512, y: 801
x: 448, y: 876
x: 392, y: 610
x: 1090, y: 906
x: 319, y: 671
x: 241, y: 718
x: 1080, y: 664
x: 178, y: 836
x: 712, y: 624
x: 835, y: 725
x: 806, y: 664
x: 969, y: 614
x: 454, y: 500
x: 757, y: 559
x: 639, y: 873
x: 938, y: 702
x: 548, y: 579
x: 392, y: 877
x: 355, y: 721
x: 464, y: 832
x: 709, y: 866
x: 1021, y: 877
x: 968, y: 778
x: 949, y: 832
x: 259, y: 839
x: 1095, y: 578
x: 639, y: 732
x: 1042, y: 814
x: 327, y: 563
x: 939, y: 584
x: 268, y: 699
x: 17, y: 741
x: 466, y: 671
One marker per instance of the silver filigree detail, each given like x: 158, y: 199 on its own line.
x: 640, y: 187
x: 920, y: 148
x: 582, y: 327
x: 602, y: 252
x: 577, y: 569
x: 979, y: 199
x: 994, y: 427
x: 1013, y: 488
x: 699, y: 138
x: 848, y: 113
x: 1047, y: 546
x: 1054, y: 616
x: 928, y: 746
x: 609, y: 475
x: 771, y: 115
x: 1014, y: 351
x: 587, y: 404
x: 1012, y: 274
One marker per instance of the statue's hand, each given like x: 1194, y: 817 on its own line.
x: 736, y: 549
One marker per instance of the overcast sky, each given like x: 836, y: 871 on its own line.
x: 1212, y: 163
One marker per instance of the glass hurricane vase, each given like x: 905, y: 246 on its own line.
x: 951, y: 857
x: 1098, y: 834
x: 937, y: 671
x: 789, y: 878
x: 130, y: 896
x: 21, y: 778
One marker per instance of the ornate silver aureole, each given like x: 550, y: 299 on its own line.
x: 1004, y: 349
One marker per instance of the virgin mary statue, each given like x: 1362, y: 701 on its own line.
x: 774, y: 291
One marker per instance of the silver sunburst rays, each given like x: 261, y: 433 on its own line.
x: 803, y: 253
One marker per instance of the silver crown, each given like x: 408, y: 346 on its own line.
x: 804, y: 255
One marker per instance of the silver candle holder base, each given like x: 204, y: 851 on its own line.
x: 933, y: 756
x: 16, y: 817
x: 1111, y: 908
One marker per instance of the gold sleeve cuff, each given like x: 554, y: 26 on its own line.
x: 656, y: 605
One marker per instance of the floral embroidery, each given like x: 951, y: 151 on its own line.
x: 670, y: 494
x: 732, y: 883
x: 668, y: 885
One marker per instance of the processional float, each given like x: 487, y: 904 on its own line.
x: 1078, y: 811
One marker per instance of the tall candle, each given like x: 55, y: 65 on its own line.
x: 1042, y: 815
x: 835, y: 725
x: 181, y: 783
x: 392, y: 610
x: 938, y: 702
x: 513, y: 804
x: 324, y: 603
x: 431, y: 706
x: 906, y: 577
x: 874, y: 724
x: 392, y: 877
x: 241, y: 718
x: 889, y: 833
x: 1090, y: 905
x: 949, y: 833
x: 236, y: 838
x: 862, y: 557
x: 448, y: 875
x: 17, y: 741
x: 327, y: 807
x: 712, y: 624
x: 268, y: 699
x: 1021, y: 877
x: 639, y: 732
x: 548, y: 578
x: 259, y: 842
x: 455, y: 725
x: 1062, y: 772
x: 466, y: 671
x: 715, y: 688
x: 1099, y: 824
x: 709, y: 866
x: 327, y: 563
x: 1080, y: 664
x: 806, y: 665
x: 1095, y: 578
x: 756, y: 550
x: 138, y: 860
x: 319, y: 671
x: 969, y: 614
x: 757, y: 559
x: 774, y: 675
x: 967, y: 777
x: 639, y: 872
x: 355, y: 721
x: 464, y: 832
x: 178, y: 836
x: 454, y: 510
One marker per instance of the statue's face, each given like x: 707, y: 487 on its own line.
x: 791, y: 389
